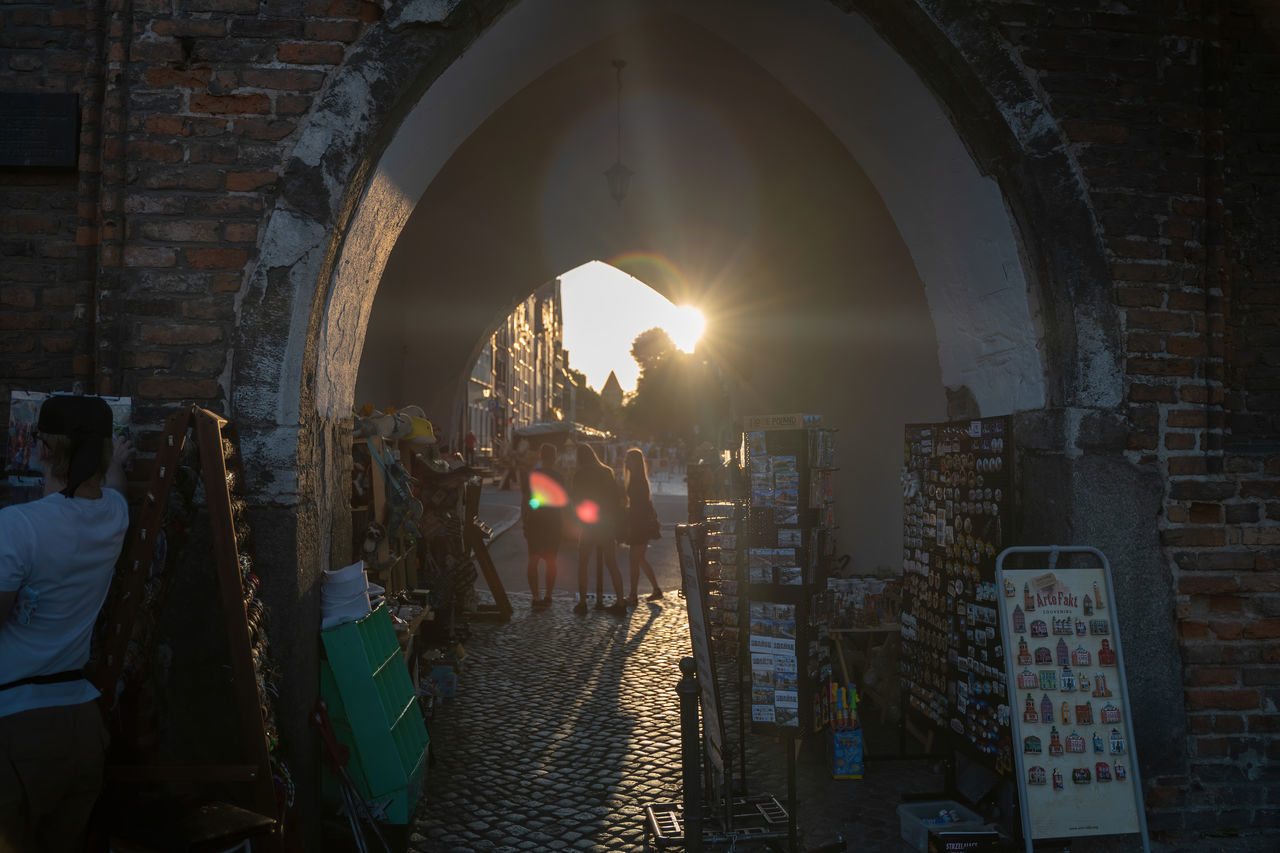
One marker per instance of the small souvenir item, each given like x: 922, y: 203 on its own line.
x: 1063, y: 655
x: 1027, y: 679
x: 1028, y: 600
x: 1029, y: 712
x: 1031, y: 745
x: 1106, y: 655
x: 1099, y: 626
x: 1117, y: 742
x: 1036, y: 776
x: 1081, y: 776
x: 1044, y: 657
x: 1039, y: 628
x: 1055, y: 742
x: 1100, y: 685
x: 1085, y: 683
x: 1046, y: 709
x: 1019, y: 620
x: 1062, y: 626
x: 1097, y: 596
x: 1024, y: 654
x: 1066, y: 714
x: 1120, y: 772
x: 1097, y: 743
x: 1102, y: 771
x: 1067, y: 680
x: 1075, y: 743
x: 1110, y: 713
x: 1087, y: 605
x: 1084, y: 714
x: 1009, y: 590
x: 1057, y: 779
x: 1081, y: 627
x: 1081, y: 657
x: 1048, y: 679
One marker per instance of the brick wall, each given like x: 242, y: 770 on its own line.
x: 1169, y: 111
x: 124, y: 274
x: 180, y: 153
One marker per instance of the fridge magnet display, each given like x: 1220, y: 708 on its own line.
x: 956, y: 479
x: 1100, y: 800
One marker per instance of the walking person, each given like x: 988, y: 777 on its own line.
x: 57, y: 556
x: 597, y: 503
x: 642, y: 523
x: 543, y: 515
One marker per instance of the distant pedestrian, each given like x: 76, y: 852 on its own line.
x: 597, y: 503
x: 642, y: 523
x: 469, y: 445
x: 515, y: 455
x: 543, y: 517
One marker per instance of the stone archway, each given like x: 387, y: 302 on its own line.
x: 344, y: 202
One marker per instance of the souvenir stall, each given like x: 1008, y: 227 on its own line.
x: 394, y: 620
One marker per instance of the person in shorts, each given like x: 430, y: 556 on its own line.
x: 543, y: 526
x: 57, y: 556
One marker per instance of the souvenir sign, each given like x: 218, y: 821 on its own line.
x: 1078, y: 725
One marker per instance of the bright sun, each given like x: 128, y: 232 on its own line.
x: 605, y: 309
x: 686, y: 327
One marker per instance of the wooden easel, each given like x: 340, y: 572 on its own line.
x: 222, y: 471
x: 474, y: 534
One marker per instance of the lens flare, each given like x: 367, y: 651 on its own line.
x: 545, y: 491
x: 588, y: 512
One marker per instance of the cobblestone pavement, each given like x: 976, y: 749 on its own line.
x: 565, y: 726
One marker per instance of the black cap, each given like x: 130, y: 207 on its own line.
x: 85, y: 421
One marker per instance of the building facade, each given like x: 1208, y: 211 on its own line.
x: 521, y: 375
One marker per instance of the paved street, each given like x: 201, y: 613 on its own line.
x: 564, y: 727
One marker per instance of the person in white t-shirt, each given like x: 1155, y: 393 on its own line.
x: 57, y: 556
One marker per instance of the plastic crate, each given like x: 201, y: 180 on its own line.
x: 375, y: 713
x: 917, y: 819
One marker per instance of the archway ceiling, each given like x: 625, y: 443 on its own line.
x: 747, y: 187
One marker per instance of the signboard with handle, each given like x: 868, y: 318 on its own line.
x: 1072, y: 726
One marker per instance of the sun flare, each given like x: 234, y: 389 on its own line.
x: 686, y: 327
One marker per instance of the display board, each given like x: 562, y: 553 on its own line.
x: 788, y: 543
x: 1076, y: 769
x: 695, y: 600
x: 957, y: 496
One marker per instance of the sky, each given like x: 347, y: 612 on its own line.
x: 604, y: 310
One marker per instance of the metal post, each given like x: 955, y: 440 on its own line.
x: 792, y: 835
x: 690, y: 755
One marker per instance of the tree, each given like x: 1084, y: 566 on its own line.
x: 679, y: 396
x: 589, y: 408
x: 651, y: 347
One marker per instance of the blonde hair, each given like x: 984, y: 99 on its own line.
x: 59, y: 458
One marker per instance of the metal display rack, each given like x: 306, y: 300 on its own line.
x: 787, y: 560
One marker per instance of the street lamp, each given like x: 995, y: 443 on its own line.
x: 618, y: 175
